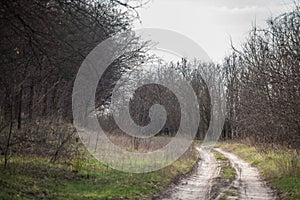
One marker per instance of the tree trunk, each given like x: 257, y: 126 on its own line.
x: 30, y: 104
x: 20, y: 108
x: 6, y: 152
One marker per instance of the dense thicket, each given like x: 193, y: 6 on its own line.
x: 42, y: 46
x: 263, y: 95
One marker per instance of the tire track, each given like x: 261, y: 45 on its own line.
x: 249, y: 183
x: 198, y: 185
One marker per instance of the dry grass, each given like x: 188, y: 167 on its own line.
x: 279, y: 165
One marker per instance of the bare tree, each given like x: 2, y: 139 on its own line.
x: 263, y: 83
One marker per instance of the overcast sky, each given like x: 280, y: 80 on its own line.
x: 211, y: 23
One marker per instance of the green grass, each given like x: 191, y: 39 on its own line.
x: 37, y: 178
x: 227, y: 172
x: 281, y: 168
x: 223, y: 197
x: 220, y: 157
x: 198, y: 142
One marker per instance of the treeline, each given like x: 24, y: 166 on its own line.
x: 195, y: 73
x: 43, y: 44
x: 263, y: 84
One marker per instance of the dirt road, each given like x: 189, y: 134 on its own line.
x: 248, y: 181
x: 198, y: 185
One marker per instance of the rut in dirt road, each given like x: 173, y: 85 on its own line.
x: 198, y: 185
x: 248, y: 181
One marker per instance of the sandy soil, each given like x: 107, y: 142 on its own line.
x: 248, y: 181
x: 199, y: 184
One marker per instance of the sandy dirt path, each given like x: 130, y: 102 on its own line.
x: 198, y: 185
x: 248, y: 181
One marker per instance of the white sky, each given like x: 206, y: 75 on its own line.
x: 210, y: 23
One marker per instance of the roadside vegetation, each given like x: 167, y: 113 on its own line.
x: 84, y: 178
x: 279, y: 166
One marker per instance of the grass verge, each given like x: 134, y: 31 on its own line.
x: 37, y: 178
x: 281, y: 168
